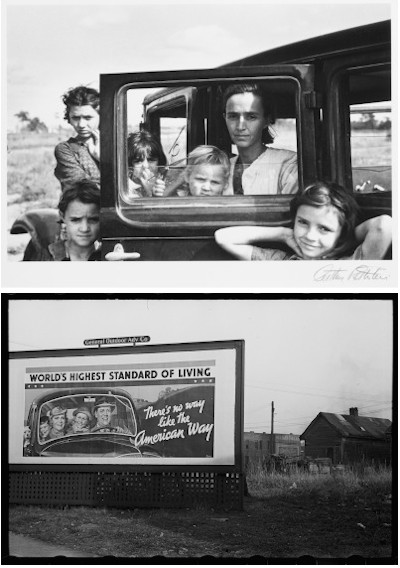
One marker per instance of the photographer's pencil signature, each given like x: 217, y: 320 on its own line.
x: 363, y: 272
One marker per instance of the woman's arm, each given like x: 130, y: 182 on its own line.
x: 69, y: 170
x: 376, y: 236
x: 239, y: 241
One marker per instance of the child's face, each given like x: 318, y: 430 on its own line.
x: 82, y: 221
x: 206, y: 180
x: 44, y: 429
x: 144, y: 169
x: 81, y: 420
x: 316, y: 230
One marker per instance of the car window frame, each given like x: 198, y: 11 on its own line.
x: 337, y: 111
x: 38, y: 408
x: 172, y: 214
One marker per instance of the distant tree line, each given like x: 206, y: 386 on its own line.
x: 165, y: 392
x: 31, y: 124
x: 369, y: 122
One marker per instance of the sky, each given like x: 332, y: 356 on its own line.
x: 53, y: 46
x: 306, y: 356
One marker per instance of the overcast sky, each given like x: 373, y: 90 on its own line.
x: 307, y: 356
x: 53, y: 46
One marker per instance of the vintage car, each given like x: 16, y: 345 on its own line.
x: 332, y: 106
x: 116, y: 440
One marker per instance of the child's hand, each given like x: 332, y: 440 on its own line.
x: 147, y: 179
x: 290, y: 241
x: 131, y: 185
x: 93, y: 145
x: 159, y: 188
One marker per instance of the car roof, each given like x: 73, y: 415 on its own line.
x: 92, y: 391
x: 307, y: 51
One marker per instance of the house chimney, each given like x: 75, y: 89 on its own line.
x: 353, y: 411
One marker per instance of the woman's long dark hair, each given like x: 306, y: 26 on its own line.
x: 255, y: 89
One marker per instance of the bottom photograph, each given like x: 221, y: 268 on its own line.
x: 242, y: 428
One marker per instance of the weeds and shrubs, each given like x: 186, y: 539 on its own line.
x: 372, y: 483
x: 31, y: 183
x: 288, y: 516
x: 30, y: 177
x: 25, y: 140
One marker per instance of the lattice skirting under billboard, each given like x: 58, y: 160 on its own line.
x: 127, y: 489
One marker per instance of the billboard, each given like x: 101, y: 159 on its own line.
x: 150, y: 405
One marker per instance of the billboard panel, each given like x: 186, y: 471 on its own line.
x: 153, y: 405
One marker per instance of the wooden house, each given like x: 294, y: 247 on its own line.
x: 348, y: 438
x: 259, y: 446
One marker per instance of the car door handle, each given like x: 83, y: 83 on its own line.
x: 119, y: 254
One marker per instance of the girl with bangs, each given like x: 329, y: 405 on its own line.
x: 324, y: 227
x: 146, y: 165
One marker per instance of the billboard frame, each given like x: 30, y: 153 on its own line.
x: 218, y: 484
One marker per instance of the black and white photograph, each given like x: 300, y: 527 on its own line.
x: 220, y: 386
x: 162, y: 133
x: 191, y: 428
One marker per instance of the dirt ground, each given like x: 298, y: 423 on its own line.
x: 293, y: 527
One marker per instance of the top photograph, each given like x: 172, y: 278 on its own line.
x: 157, y: 133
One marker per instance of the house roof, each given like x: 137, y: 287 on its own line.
x: 350, y: 426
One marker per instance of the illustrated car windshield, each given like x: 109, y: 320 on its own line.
x: 166, y: 131
x: 82, y: 414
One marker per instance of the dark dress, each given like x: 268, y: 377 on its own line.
x: 75, y: 163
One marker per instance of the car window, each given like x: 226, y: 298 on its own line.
x: 371, y: 144
x: 183, y: 119
x: 75, y: 415
x: 367, y: 92
x: 173, y: 137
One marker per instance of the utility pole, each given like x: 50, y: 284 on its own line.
x: 272, y: 428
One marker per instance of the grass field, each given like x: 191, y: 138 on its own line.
x: 285, y: 517
x: 31, y: 183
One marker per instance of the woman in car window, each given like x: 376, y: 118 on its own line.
x: 78, y: 157
x: 81, y: 421
x: 259, y: 169
x: 58, y: 422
